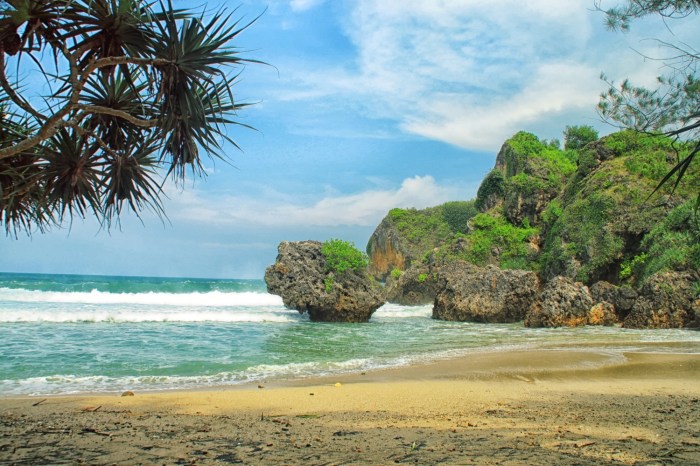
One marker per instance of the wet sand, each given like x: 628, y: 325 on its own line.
x: 536, y: 407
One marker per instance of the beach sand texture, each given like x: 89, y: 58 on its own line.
x: 528, y: 407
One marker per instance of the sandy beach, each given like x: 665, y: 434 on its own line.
x: 536, y: 407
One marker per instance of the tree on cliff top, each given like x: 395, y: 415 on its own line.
x: 673, y: 108
x: 129, y: 87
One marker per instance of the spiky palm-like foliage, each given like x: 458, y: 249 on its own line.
x: 136, y: 91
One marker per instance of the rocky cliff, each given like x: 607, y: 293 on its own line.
x: 569, y: 216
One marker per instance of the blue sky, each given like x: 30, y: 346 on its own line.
x: 370, y: 105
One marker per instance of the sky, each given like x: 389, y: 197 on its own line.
x: 365, y: 105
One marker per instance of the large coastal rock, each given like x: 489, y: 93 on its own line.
x: 301, y: 278
x: 483, y: 294
x: 412, y: 287
x: 667, y: 300
x: 622, y: 298
x: 563, y: 303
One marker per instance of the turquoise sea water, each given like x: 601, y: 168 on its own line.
x: 75, y: 334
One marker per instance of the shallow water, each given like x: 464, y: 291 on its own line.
x: 64, y: 334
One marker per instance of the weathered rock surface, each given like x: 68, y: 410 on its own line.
x: 666, y: 300
x: 563, y: 303
x: 385, y: 250
x: 415, y: 286
x: 474, y: 294
x: 300, y: 277
x: 621, y: 298
x: 528, y: 186
x: 601, y: 314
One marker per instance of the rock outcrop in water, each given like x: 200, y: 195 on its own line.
x: 621, y: 298
x: 412, y: 287
x: 468, y: 293
x: 563, y: 303
x: 667, y: 300
x: 301, y: 277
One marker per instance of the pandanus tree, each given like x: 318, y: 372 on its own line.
x: 131, y: 92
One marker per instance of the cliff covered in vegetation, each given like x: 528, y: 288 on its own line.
x: 583, y: 213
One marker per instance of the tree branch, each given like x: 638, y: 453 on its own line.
x: 16, y: 98
x: 97, y: 109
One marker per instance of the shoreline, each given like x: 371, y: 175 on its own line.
x: 564, y: 407
x: 474, y: 363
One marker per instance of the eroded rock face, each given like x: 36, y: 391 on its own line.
x: 300, y: 277
x: 667, y: 300
x: 601, y: 314
x: 469, y: 293
x: 385, y: 251
x: 621, y: 298
x: 563, y: 303
x: 414, y: 287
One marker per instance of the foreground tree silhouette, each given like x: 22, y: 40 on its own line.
x: 132, y: 92
x: 673, y: 108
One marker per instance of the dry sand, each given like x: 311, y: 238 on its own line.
x: 539, y: 407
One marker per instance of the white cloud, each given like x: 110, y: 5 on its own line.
x: 471, y: 73
x: 303, y: 5
x: 362, y: 209
x: 554, y: 89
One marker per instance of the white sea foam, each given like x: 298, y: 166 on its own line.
x: 208, y: 299
x: 390, y: 310
x: 137, y: 315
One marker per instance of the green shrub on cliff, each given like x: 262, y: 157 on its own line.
x: 529, y: 155
x: 605, y: 215
x: 425, y: 229
x: 577, y: 137
x: 673, y: 244
x: 490, y: 189
x: 492, y: 239
x: 458, y: 213
x: 495, y: 234
x: 343, y: 255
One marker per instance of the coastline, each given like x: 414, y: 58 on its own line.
x: 564, y: 407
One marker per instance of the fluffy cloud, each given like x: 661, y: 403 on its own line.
x: 362, y: 209
x: 471, y: 73
x: 303, y: 5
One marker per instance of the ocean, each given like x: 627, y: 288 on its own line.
x: 68, y: 334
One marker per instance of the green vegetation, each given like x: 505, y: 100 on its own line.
x: 577, y: 137
x: 458, y: 213
x: 342, y: 256
x: 136, y: 91
x: 328, y: 282
x: 582, y: 212
x: 396, y: 273
x: 421, y: 230
x: 673, y: 244
x: 672, y: 108
x: 494, y: 233
x: 491, y: 188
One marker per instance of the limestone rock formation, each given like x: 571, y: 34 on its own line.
x: 413, y: 287
x: 532, y: 178
x: 622, y: 298
x: 667, y: 300
x: 563, y: 303
x: 601, y: 314
x: 475, y: 294
x: 385, y: 250
x: 301, y: 278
